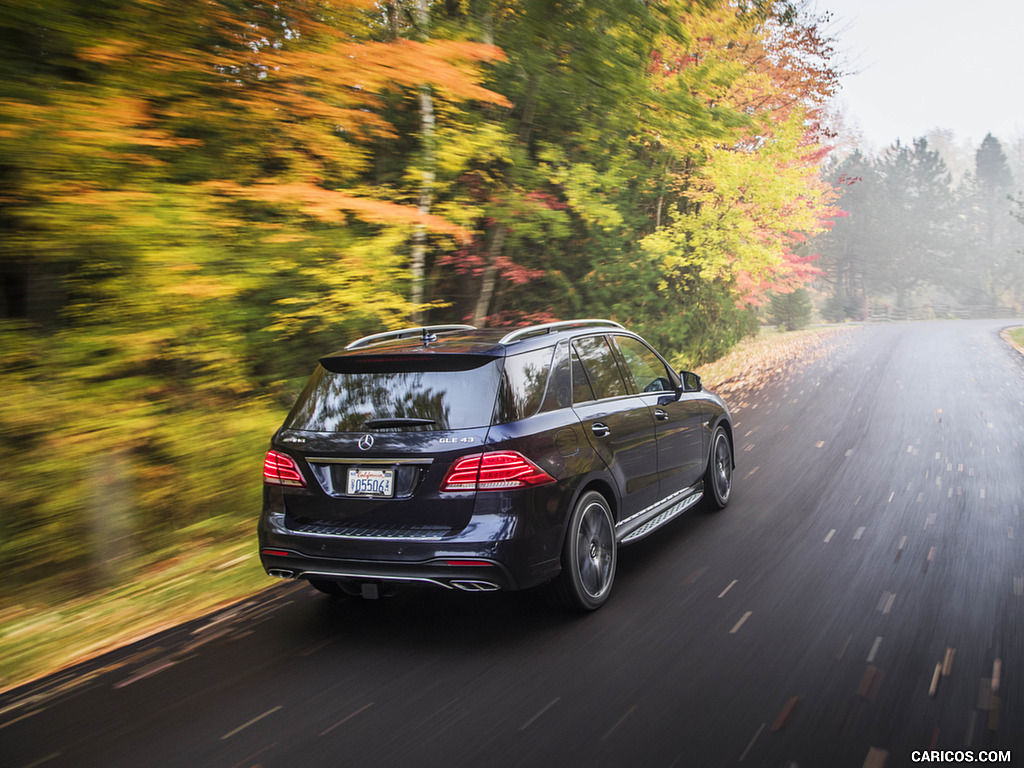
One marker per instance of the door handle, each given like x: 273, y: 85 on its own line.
x: 660, y: 414
x: 599, y: 429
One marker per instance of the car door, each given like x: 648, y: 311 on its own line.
x: 678, y: 418
x: 619, y: 424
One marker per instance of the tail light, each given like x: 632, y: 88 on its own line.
x: 279, y: 469
x: 494, y: 471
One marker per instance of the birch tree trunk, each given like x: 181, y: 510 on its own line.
x: 428, y: 125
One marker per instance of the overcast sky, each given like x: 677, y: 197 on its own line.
x: 955, y: 64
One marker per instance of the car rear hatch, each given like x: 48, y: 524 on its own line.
x: 375, y: 436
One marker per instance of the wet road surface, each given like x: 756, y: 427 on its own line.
x: 860, y: 600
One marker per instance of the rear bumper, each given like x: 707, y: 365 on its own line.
x: 476, y: 576
x: 489, y: 554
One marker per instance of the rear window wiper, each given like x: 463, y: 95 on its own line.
x: 399, y: 422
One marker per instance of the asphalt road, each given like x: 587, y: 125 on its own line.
x: 861, y: 599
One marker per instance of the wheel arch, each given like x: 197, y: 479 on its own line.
x: 723, y: 422
x: 602, y: 485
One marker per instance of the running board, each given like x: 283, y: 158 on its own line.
x: 659, y: 520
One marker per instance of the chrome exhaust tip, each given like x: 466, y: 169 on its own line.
x: 280, y: 573
x: 475, y: 586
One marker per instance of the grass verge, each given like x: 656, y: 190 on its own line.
x: 200, y: 574
x: 1016, y: 337
x: 213, y: 566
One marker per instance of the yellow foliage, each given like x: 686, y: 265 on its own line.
x: 200, y: 290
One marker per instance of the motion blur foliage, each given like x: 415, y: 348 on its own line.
x: 109, y: 461
x: 197, y: 202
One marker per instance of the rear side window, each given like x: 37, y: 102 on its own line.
x: 523, y: 385
x: 594, y: 365
x: 559, y: 394
x: 582, y: 392
x: 534, y: 382
x: 429, y: 399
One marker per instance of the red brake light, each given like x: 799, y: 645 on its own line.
x: 279, y: 469
x: 494, y: 471
x: 469, y: 563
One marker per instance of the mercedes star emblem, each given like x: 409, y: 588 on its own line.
x: 366, y: 442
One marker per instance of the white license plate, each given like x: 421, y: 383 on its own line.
x: 371, y: 482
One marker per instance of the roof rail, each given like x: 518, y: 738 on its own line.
x: 425, y: 332
x: 536, y: 330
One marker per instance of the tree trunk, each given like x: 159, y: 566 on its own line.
x: 428, y: 125
x: 490, y: 277
x: 490, y: 274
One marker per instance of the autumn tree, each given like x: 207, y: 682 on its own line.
x: 745, y: 205
x: 201, y: 197
x: 187, y: 222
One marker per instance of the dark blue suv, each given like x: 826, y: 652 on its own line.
x: 486, y: 459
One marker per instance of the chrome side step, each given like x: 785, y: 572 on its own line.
x: 659, y: 520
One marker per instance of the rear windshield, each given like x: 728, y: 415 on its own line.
x: 380, y: 400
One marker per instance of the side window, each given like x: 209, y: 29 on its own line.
x: 582, y: 392
x: 523, y: 385
x: 559, y: 394
x: 648, y: 371
x: 593, y: 359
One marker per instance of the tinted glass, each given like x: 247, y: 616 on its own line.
x: 648, y: 371
x: 602, y: 371
x: 559, y: 394
x: 344, y: 402
x: 582, y: 392
x: 523, y: 386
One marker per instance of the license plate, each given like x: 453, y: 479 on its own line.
x: 371, y: 482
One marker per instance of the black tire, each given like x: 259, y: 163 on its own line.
x: 589, y: 555
x: 718, y: 475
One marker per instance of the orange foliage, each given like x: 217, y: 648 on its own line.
x: 331, y: 206
x: 340, y: 80
x: 122, y: 120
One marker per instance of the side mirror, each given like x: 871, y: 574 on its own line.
x: 691, y: 382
